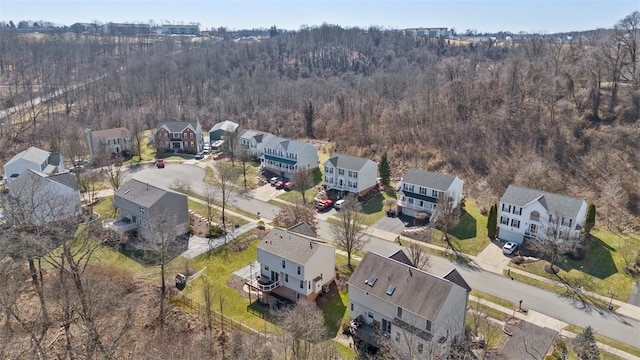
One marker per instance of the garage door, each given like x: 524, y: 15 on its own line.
x: 506, y: 235
x: 409, y: 212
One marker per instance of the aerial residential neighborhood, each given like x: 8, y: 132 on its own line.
x: 412, y: 191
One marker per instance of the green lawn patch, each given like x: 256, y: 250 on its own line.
x: 147, y: 150
x: 335, y: 312
x: 345, y: 352
x: 105, y: 208
x: 276, y: 203
x: 602, y: 268
x: 492, y: 332
x: 375, y: 210
x: 295, y: 195
x: 469, y: 236
x: 341, y: 264
x: 608, y: 341
x: 494, y: 299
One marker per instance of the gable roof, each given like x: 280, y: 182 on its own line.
x: 115, y: 133
x: 67, y: 179
x: 428, y: 179
x: 228, y: 126
x: 347, y: 161
x: 303, y: 229
x: 555, y: 204
x: 416, y: 290
x: 178, y: 126
x: 258, y: 136
x: 290, y: 245
x: 455, y: 277
x: 32, y: 154
x: 402, y: 257
x: 142, y: 193
x: 291, y: 146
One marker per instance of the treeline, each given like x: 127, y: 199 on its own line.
x: 556, y: 115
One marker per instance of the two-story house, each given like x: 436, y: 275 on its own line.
x: 116, y: 141
x: 420, y: 314
x: 41, y: 199
x: 294, y: 265
x: 421, y: 190
x: 252, y: 141
x: 180, y: 136
x: 34, y: 159
x: 350, y: 174
x: 143, y: 208
x: 538, y: 214
x: 285, y: 156
x: 223, y: 130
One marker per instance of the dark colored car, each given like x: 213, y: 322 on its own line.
x: 199, y: 156
x: 160, y: 163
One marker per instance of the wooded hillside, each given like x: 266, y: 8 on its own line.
x: 549, y: 112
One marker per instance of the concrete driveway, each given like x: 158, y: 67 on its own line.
x: 396, y: 224
x: 492, y: 258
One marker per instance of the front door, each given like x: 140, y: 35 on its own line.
x: 533, y: 228
x: 274, y: 276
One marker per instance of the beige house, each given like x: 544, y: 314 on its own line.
x: 116, y: 141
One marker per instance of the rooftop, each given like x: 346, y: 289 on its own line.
x: 114, y: 133
x: 142, y: 193
x: 228, y: 126
x: 428, y: 179
x: 178, y: 126
x: 348, y: 162
x: 290, y: 245
x: 556, y: 204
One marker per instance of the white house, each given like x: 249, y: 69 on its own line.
x: 420, y: 314
x: 350, y: 174
x: 145, y: 208
x: 293, y: 265
x: 34, y: 159
x: 421, y: 190
x: 109, y: 141
x: 285, y: 157
x: 41, y: 199
x: 525, y: 212
x: 253, y: 142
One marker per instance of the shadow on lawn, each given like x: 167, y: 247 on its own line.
x: 598, y: 261
x: 466, y: 227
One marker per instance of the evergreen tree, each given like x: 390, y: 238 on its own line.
x: 384, y: 169
x: 492, y: 221
x: 585, y: 345
x: 591, y: 219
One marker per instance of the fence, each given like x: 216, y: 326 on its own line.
x: 219, y: 319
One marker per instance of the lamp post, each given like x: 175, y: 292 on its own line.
x: 581, y: 275
x: 611, y: 292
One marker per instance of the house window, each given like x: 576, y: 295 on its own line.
x: 340, y: 171
x: 266, y: 268
x: 351, y: 307
x: 504, y: 220
x: 284, y: 266
x: 286, y: 277
x: 301, y: 284
x: 298, y: 269
x: 422, y: 191
x: 370, y: 314
x: 410, y: 200
x: 535, y: 216
x: 410, y: 188
x: 309, y: 283
x: 420, y: 348
x: 517, y: 210
x: 355, y: 174
x: 515, y: 223
x: 192, y: 144
x: 191, y: 135
x: 428, y: 326
x: 435, y: 193
x: 506, y: 207
x: 399, y: 312
x: 176, y: 135
x: 141, y: 209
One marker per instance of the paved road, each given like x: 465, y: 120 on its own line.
x: 609, y: 324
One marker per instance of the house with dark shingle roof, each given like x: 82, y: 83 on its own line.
x: 252, y: 141
x: 350, y: 174
x: 421, y: 190
x: 141, y: 206
x: 180, y: 136
x: 109, y: 141
x: 42, y: 199
x: 223, y: 131
x: 538, y: 214
x: 420, y: 314
x: 294, y: 266
x: 285, y: 157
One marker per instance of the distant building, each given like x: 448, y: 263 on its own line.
x: 35, y: 159
x: 180, y: 30
x: 434, y: 32
x: 116, y: 141
x: 180, y: 136
x: 127, y: 29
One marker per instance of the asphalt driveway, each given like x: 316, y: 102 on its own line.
x: 528, y: 342
x: 396, y: 224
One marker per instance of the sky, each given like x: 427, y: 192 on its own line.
x: 541, y: 16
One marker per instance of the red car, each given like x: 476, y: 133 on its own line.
x: 160, y: 163
x: 279, y: 185
x: 287, y: 185
x: 324, y: 205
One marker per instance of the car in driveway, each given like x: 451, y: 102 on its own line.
x: 509, y: 248
x: 160, y: 163
x: 287, y: 185
x: 339, y: 204
x: 279, y: 185
x: 324, y: 205
x: 274, y: 180
x: 199, y: 156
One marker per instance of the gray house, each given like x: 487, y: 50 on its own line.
x: 145, y: 208
x: 223, y: 131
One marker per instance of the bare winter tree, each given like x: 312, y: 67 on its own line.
x: 114, y: 170
x: 418, y: 256
x: 302, y: 180
x: 555, y: 241
x: 349, y: 231
x: 446, y: 214
x: 304, y: 332
x: 293, y: 214
x: 225, y: 180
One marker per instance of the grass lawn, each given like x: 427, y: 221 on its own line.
x: 605, y: 340
x: 220, y: 267
x: 470, y: 234
x: 494, y: 299
x: 276, y: 203
x: 105, y: 208
x: 492, y: 333
x: 602, y: 268
x: 375, y: 210
x: 202, y: 210
x: 295, y: 195
x: 345, y: 352
x: 341, y: 264
x: 335, y: 313
x: 147, y: 150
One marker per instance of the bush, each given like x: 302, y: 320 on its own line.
x: 484, y: 211
x: 518, y: 260
x: 578, y: 253
x: 216, y: 231
x: 261, y: 225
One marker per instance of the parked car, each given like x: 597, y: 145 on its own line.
x: 274, y: 180
x: 160, y: 163
x: 199, y: 156
x: 509, y: 248
x: 76, y: 168
x: 279, y: 185
x: 287, y: 185
x: 324, y: 205
x: 338, y: 205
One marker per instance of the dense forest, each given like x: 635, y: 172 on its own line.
x: 553, y: 112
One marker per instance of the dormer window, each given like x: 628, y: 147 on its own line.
x: 141, y: 209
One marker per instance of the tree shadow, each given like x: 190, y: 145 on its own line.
x: 374, y: 205
x: 466, y: 227
x: 598, y: 261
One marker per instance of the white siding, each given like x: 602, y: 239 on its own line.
x: 19, y: 166
x: 455, y: 191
